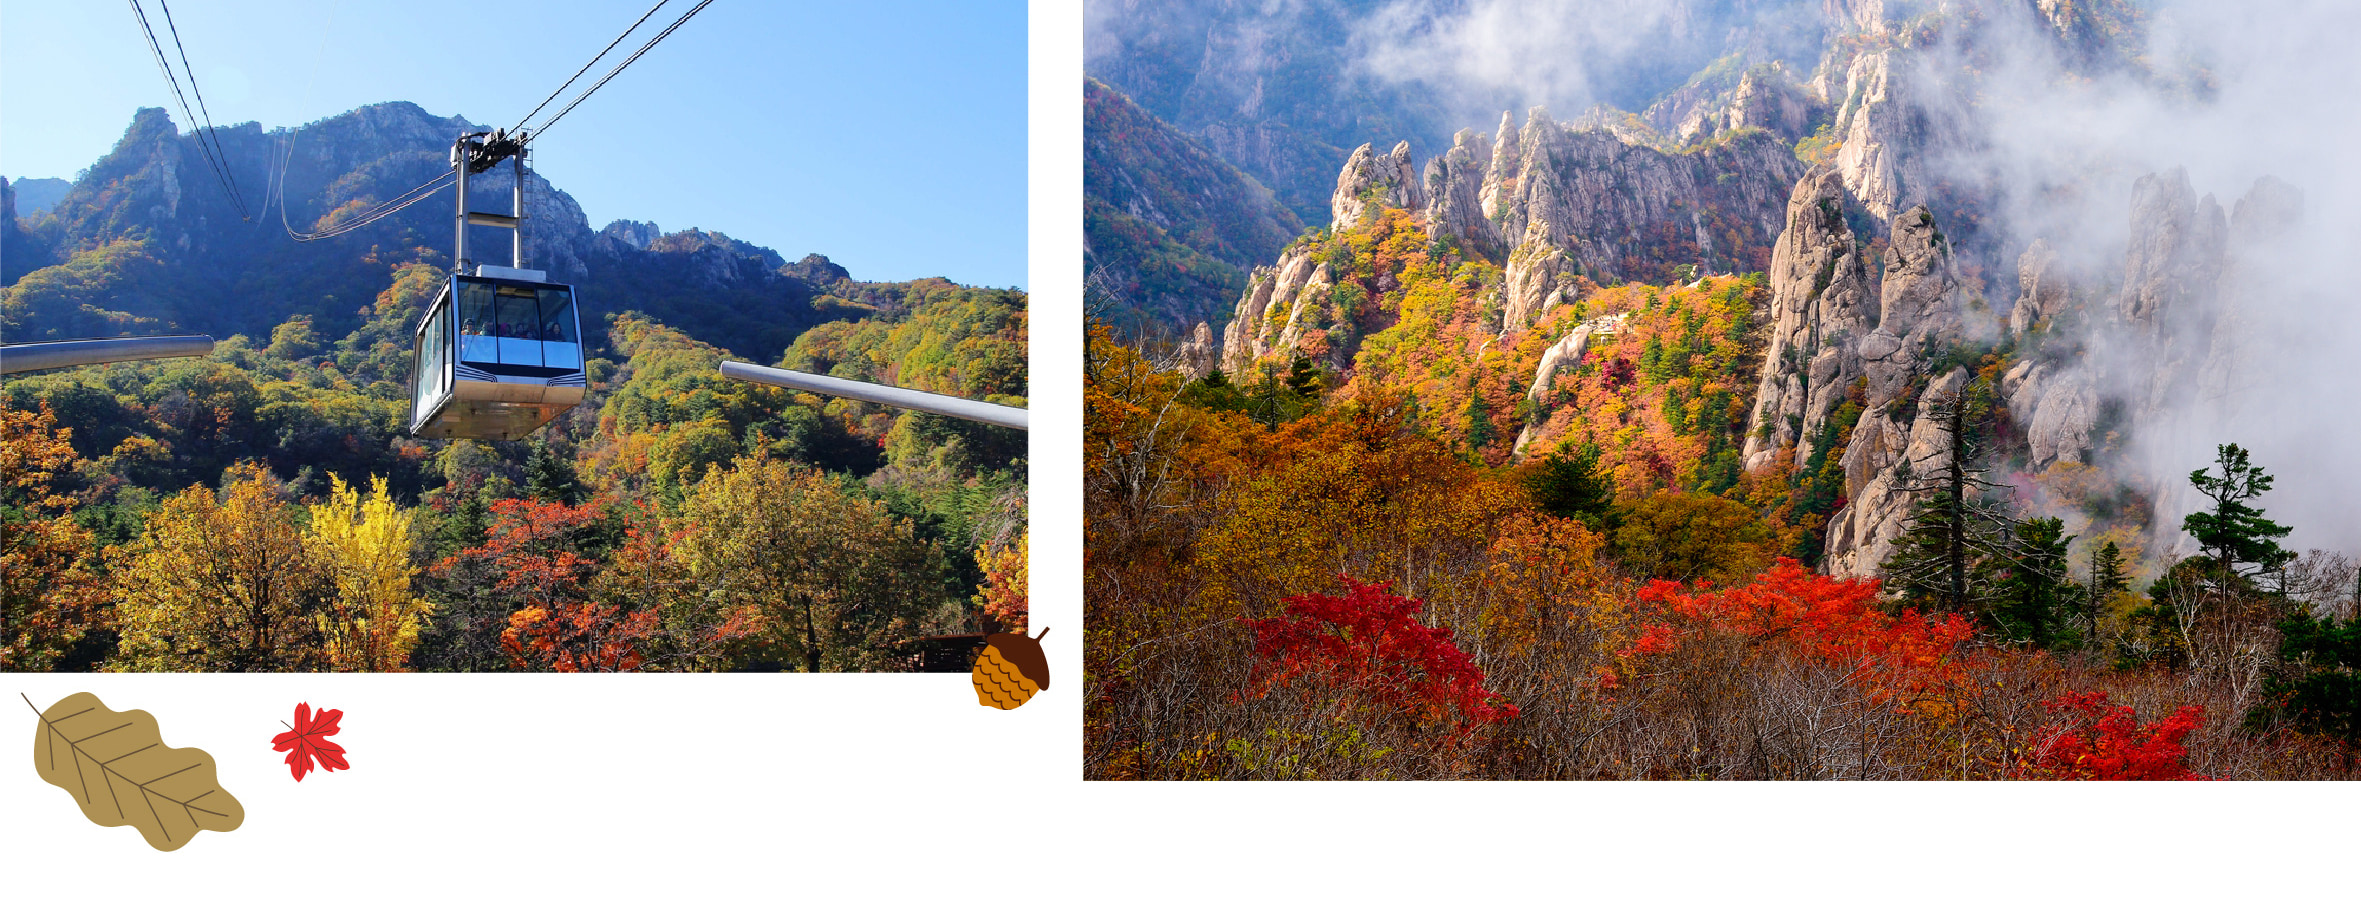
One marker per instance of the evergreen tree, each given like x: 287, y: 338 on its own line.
x: 1937, y: 563
x: 2236, y: 538
x: 1572, y: 487
x: 2106, y: 579
x: 2036, y: 588
x: 550, y: 477
x: 2323, y: 695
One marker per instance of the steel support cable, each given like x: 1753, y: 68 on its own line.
x: 643, y: 18
x: 210, y: 132
x: 380, y: 212
x: 627, y: 61
x: 372, y: 214
x: 174, y: 82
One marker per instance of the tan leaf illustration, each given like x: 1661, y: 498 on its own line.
x: 118, y: 768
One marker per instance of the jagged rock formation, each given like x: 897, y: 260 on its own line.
x: 1281, y: 304
x: 1763, y: 97
x: 2042, y: 287
x: 1582, y: 201
x: 1821, y: 296
x: 1456, y: 183
x: 155, y: 194
x: 1197, y: 355
x: 1827, y: 346
x: 631, y: 234
x: 1888, y: 133
x: 1919, y: 313
x: 1561, y: 203
x: 1885, y: 469
x: 1372, y: 182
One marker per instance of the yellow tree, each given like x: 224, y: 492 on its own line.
x: 363, y: 544
x: 834, y: 578
x: 221, y: 583
x: 49, y: 591
x: 1003, y: 593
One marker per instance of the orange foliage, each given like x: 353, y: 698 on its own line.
x: 1892, y: 657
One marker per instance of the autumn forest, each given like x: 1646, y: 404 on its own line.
x: 264, y: 508
x: 1302, y: 572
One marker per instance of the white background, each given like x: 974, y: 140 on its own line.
x: 850, y: 789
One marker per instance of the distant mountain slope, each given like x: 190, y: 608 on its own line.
x: 1169, y: 225
x: 36, y: 195
x: 151, y: 199
x: 1284, y: 91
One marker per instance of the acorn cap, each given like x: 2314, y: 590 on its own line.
x: 1025, y: 653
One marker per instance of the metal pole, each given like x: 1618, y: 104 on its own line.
x: 16, y: 358
x: 1011, y: 417
x: 516, y: 249
x: 459, y: 154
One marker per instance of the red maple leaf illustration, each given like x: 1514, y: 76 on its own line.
x: 308, y: 741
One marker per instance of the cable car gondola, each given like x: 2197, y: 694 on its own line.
x: 499, y: 354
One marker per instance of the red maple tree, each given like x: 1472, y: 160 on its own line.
x: 1836, y: 621
x: 2096, y: 740
x: 1369, y: 641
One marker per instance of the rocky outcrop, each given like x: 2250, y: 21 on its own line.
x: 2043, y: 287
x: 2171, y: 271
x: 1197, y: 355
x: 815, y: 269
x: 1888, y: 482
x: 1556, y: 203
x: 1918, y: 308
x: 1763, y: 97
x: 1537, y: 278
x: 631, y: 234
x: 1821, y: 307
x: 1455, y: 192
x: 1281, y: 306
x: 1829, y: 344
x: 1623, y: 211
x: 1566, y: 353
x: 1884, y: 135
x: 1919, y: 311
x: 1372, y: 181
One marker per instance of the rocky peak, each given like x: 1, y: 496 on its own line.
x: 1371, y: 181
x: 1766, y: 99
x: 2043, y: 287
x: 1921, y: 289
x: 1196, y: 355
x: 2175, y: 252
x: 1821, y: 307
x: 631, y: 234
x: 1455, y: 192
x: 2268, y: 211
x: 815, y: 269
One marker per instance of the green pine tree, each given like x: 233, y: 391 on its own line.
x: 2107, y: 578
x: 2237, y: 540
x: 1573, y: 487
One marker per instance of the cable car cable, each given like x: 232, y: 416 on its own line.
x: 643, y: 18
x: 422, y: 191
x: 210, y: 132
x: 627, y: 61
x: 383, y: 210
x: 174, y: 81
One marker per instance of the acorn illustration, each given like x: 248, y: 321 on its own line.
x: 1011, y: 669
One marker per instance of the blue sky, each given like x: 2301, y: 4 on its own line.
x: 888, y: 136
